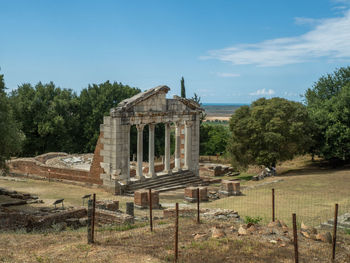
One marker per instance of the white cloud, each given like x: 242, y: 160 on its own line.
x: 227, y: 75
x: 329, y: 39
x: 307, y: 21
x: 262, y: 92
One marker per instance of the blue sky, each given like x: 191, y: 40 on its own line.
x: 227, y: 51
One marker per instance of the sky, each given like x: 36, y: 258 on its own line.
x: 227, y: 51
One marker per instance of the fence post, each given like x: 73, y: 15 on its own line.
x: 176, y: 232
x: 295, y: 234
x: 89, y: 214
x: 335, y: 231
x: 273, y: 204
x: 93, y: 218
x: 150, y: 209
x: 198, y: 211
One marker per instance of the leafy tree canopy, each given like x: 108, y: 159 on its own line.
x: 11, y: 137
x: 328, y: 103
x: 96, y: 102
x: 55, y: 119
x: 213, y: 138
x: 268, y: 131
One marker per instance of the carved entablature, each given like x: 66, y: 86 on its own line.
x: 152, y: 106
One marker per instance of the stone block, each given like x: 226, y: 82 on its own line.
x: 141, y: 199
x: 108, y: 205
x: 229, y: 188
x: 191, y: 194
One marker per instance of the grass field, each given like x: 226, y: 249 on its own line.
x: 303, y: 188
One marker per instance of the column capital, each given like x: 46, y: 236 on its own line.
x: 188, y: 123
x: 140, y: 127
x: 178, y: 123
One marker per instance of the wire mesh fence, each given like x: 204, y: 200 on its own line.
x: 261, y: 204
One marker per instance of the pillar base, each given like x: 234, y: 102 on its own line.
x: 152, y: 175
x: 168, y: 171
x: 142, y: 178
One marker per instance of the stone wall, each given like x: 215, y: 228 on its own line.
x: 95, y: 168
x: 10, y: 220
x: 31, y: 166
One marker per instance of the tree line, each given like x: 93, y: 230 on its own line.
x: 45, y: 118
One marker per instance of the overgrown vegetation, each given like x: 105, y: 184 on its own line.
x: 252, y: 219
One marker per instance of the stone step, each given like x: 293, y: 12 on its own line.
x: 156, y: 185
x: 166, y: 182
x: 165, y: 176
x: 168, y: 178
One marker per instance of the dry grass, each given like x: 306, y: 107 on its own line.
x: 140, y: 245
x: 306, y: 189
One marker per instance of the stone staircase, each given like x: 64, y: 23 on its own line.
x: 165, y: 183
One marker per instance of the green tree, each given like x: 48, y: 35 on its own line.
x: 328, y: 103
x: 183, y: 89
x: 48, y: 116
x: 96, y: 102
x: 213, y: 138
x: 11, y: 137
x: 268, y: 131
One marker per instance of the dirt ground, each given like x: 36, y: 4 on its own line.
x: 141, y: 245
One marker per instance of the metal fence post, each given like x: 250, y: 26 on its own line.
x: 273, y: 204
x: 335, y: 231
x: 150, y: 209
x: 198, y: 212
x: 295, y: 234
x: 176, y: 252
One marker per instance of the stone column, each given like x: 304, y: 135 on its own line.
x: 188, y: 144
x: 151, y: 172
x: 139, y: 151
x: 167, y: 149
x: 178, y: 146
x: 126, y: 156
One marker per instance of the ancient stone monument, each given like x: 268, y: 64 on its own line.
x: 147, y: 109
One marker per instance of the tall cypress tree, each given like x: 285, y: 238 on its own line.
x: 183, y: 89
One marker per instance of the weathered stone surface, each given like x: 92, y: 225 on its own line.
x: 242, y: 231
x: 229, y: 188
x: 217, y: 232
x: 107, y: 205
x: 325, y: 237
x: 141, y: 199
x: 191, y: 194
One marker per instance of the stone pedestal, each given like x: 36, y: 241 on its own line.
x: 130, y: 208
x: 191, y: 194
x: 141, y: 199
x: 229, y: 188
